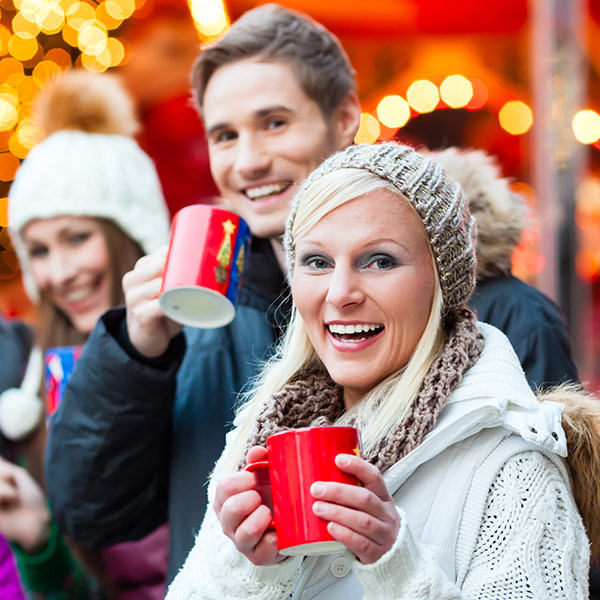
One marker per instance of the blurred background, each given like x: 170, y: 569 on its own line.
x: 517, y: 78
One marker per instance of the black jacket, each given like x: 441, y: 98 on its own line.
x: 15, y: 345
x: 534, y: 325
x: 134, y: 441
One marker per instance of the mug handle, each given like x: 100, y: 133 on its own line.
x: 263, y: 484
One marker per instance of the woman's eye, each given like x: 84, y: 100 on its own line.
x: 38, y: 252
x: 382, y: 262
x: 79, y: 238
x: 316, y: 262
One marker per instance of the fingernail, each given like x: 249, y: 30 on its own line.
x: 318, y: 507
x: 343, y: 460
x: 317, y: 489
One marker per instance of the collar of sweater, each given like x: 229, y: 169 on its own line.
x: 493, y: 393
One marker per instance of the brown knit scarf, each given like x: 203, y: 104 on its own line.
x: 314, y: 400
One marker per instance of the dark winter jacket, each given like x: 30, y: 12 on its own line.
x: 134, y: 441
x: 15, y: 345
x: 534, y: 325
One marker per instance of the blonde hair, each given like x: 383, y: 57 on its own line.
x: 375, y: 418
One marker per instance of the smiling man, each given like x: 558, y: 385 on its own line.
x: 147, y: 408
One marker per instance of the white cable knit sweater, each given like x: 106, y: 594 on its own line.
x: 528, y: 541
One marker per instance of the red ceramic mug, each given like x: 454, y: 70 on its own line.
x: 296, y: 459
x: 205, y: 263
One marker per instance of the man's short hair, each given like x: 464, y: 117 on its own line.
x: 271, y: 33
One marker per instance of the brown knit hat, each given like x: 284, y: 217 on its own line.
x: 437, y: 199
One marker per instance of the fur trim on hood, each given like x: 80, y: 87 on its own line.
x: 581, y: 423
x: 498, y: 211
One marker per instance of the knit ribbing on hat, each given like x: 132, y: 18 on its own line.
x: 438, y: 200
x: 314, y: 400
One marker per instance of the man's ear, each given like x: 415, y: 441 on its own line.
x: 345, y: 120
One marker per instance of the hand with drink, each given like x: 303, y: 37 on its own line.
x: 150, y: 331
x: 319, y: 504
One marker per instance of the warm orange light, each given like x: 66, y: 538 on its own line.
x: 126, y: 8
x: 4, y: 39
x: 59, y: 56
x: 79, y: 13
x: 587, y: 264
x: 92, y: 38
x: 44, y: 71
x: 25, y: 28
x: 368, y: 130
x: 8, y: 166
x: 8, y: 114
x: 22, y: 48
x: 423, y: 96
x: 515, y: 117
x: 3, y: 212
x: 480, y: 95
x: 117, y: 51
x: 110, y: 14
x: 210, y: 17
x: 586, y: 126
x: 456, y: 91
x: 53, y: 21
x: 393, y: 111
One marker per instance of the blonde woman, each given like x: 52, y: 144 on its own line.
x: 466, y: 493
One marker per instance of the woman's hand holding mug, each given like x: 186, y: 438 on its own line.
x: 243, y: 516
x: 364, y: 518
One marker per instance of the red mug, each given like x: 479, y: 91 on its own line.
x: 296, y: 459
x: 205, y: 263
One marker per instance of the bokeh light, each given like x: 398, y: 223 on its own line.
x: 456, y: 91
x: 368, y: 130
x: 480, y: 95
x: 515, y: 117
x: 22, y: 48
x: 8, y: 166
x: 393, y: 111
x: 423, y: 95
x: 586, y: 126
x: 210, y: 17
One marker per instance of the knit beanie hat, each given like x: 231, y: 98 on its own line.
x: 438, y: 200
x: 89, y: 165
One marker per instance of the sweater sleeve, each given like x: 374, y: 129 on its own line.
x: 531, y: 544
x: 53, y: 573
x: 215, y: 570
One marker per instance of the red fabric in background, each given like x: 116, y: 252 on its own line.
x: 173, y: 136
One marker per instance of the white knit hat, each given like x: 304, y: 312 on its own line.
x: 94, y: 175
x: 87, y: 167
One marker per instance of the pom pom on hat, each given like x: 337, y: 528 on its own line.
x: 20, y: 413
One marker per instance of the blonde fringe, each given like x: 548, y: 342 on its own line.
x: 581, y: 422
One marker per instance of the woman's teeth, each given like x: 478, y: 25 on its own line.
x: 79, y: 295
x: 354, y: 333
x: 262, y: 191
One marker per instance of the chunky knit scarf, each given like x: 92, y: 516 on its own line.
x: 314, y: 400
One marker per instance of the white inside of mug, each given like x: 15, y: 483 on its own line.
x: 197, y: 306
x: 314, y: 548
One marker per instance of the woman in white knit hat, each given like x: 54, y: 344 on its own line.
x: 85, y: 205
x: 465, y: 490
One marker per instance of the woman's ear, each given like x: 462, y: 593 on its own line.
x: 345, y: 120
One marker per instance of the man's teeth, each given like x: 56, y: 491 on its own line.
x: 79, y: 295
x: 266, y: 190
x: 358, y: 328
